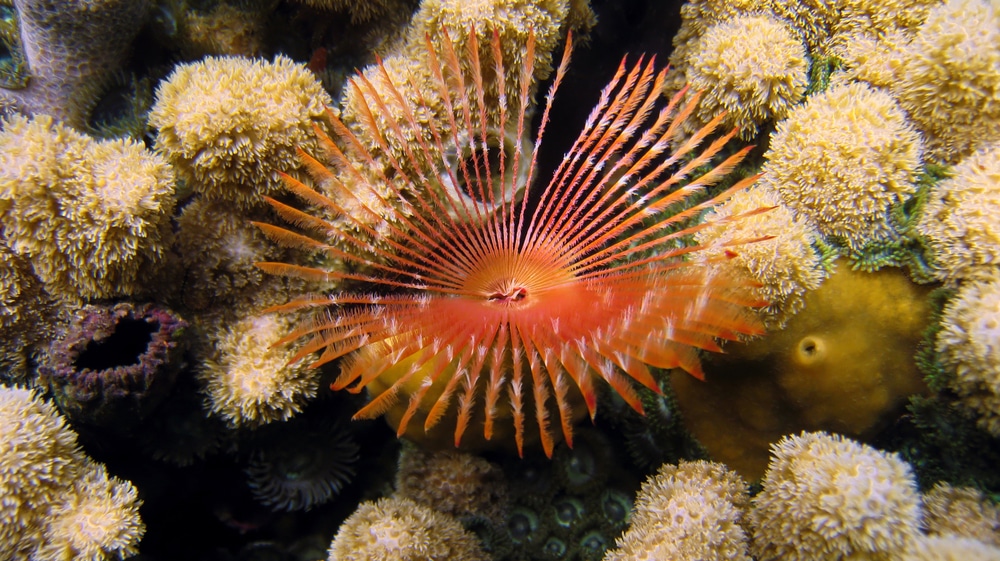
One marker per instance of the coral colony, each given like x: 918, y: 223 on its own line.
x: 212, y: 211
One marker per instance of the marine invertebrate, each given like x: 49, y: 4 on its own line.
x: 114, y: 364
x: 453, y: 482
x: 843, y: 363
x: 92, y: 216
x: 539, y: 303
x: 950, y: 83
x: 950, y: 548
x: 961, y: 511
x: 689, y: 511
x: 361, y: 11
x: 249, y: 381
x: 754, y: 67
x: 27, y: 316
x: 956, y: 221
x: 828, y: 497
x: 229, y: 125
x: 67, y: 47
x: 401, y: 529
x: 968, y: 345
x: 843, y: 159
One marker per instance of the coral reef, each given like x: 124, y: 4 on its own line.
x: 844, y: 363
x: 230, y: 125
x: 400, y: 529
x: 27, y: 316
x: 93, y: 217
x: 962, y: 512
x: 66, y: 48
x: 453, y: 483
x: 112, y: 365
x: 361, y: 11
x: 691, y: 511
x: 827, y: 497
x: 843, y: 159
x: 950, y: 548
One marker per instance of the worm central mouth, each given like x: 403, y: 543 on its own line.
x: 509, y: 296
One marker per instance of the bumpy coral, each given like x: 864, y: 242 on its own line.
x: 951, y: 80
x: 875, y: 59
x: 112, y: 365
x: 452, y: 482
x: 969, y: 345
x: 827, y: 497
x: 27, y: 315
x: 958, y: 221
x: 68, y: 47
x: 229, y: 125
x: 962, y: 512
x: 93, y: 217
x: 950, y: 548
x: 691, y: 511
x: 843, y: 159
x: 786, y: 266
x: 754, y: 67
x: 248, y: 379
x: 402, y: 530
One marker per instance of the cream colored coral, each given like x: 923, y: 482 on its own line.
x: 691, y: 511
x: 843, y: 159
x: 754, y: 67
x: 875, y: 59
x: 787, y: 266
x: 950, y: 85
x: 248, y: 379
x: 99, y: 520
x: 452, y: 482
x: 950, y: 548
x: 969, y: 345
x: 827, y: 497
x: 958, y: 222
x: 962, y: 512
x: 402, y: 530
x: 229, y: 124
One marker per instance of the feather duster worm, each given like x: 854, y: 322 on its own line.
x: 488, y: 301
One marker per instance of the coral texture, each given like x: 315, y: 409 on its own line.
x: 688, y: 512
x: 950, y: 548
x: 229, y: 125
x: 843, y: 159
x: 402, y: 530
x: 452, y: 482
x: 828, y: 497
x: 27, y: 316
x: 962, y: 512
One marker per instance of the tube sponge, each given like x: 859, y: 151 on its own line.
x: 402, y: 530
x: 843, y: 159
x: 826, y: 497
x: 688, y: 512
x: 229, y: 125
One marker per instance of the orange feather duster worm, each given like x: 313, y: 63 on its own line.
x: 501, y: 303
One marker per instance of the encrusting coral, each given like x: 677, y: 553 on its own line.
x: 69, y: 48
x: 57, y: 503
x: 968, y: 345
x: 950, y: 82
x: 401, y: 530
x: 957, y: 222
x: 693, y: 511
x: 844, y: 158
x: 93, y: 217
x: 229, y: 125
x: 826, y: 497
x: 963, y: 512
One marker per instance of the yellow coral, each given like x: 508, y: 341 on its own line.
x: 752, y: 66
x: 402, y: 530
x: 963, y: 512
x: 969, y: 344
x: 826, y: 497
x: 958, y: 222
x: 248, y: 379
x: 875, y: 59
x: 786, y: 266
x: 843, y: 159
x: 229, y: 125
x: 950, y: 548
x: 951, y: 80
x: 452, y: 482
x: 843, y: 363
x: 691, y: 511
x: 27, y: 315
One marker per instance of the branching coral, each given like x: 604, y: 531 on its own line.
x: 843, y: 159
x: 229, y: 125
x: 402, y: 530
x: 691, y: 511
x: 958, y: 220
x: 828, y: 497
x: 950, y: 84
x: 93, y: 217
x: 963, y: 512
x: 68, y: 47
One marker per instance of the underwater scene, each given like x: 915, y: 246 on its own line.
x: 499, y: 280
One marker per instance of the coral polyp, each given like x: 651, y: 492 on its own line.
x: 486, y: 307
